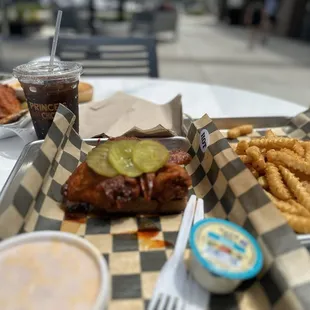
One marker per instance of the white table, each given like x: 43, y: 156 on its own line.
x: 197, y: 99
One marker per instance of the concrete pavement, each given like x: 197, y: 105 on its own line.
x: 209, y: 52
x: 213, y: 53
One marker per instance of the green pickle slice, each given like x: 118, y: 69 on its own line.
x: 149, y: 155
x: 97, y: 160
x: 120, y: 157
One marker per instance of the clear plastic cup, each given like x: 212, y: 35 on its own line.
x: 45, y: 89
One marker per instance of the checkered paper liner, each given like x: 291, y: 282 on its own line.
x: 229, y: 191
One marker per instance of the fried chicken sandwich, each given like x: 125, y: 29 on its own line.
x: 128, y: 175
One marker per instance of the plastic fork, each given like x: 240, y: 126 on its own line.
x: 170, y: 288
x: 199, y: 212
x: 197, y: 297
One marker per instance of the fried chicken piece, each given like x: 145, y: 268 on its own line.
x: 179, y: 157
x: 9, y: 103
x: 12, y: 117
x: 86, y: 187
x: 82, y: 187
x: 171, y: 183
x: 119, y: 190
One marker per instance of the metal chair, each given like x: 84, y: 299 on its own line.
x: 154, y: 22
x: 143, y: 22
x: 71, y: 20
x: 105, y: 56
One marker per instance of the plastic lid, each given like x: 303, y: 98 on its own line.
x: 226, y: 249
x: 40, y: 70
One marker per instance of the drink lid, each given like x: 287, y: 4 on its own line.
x: 41, y: 71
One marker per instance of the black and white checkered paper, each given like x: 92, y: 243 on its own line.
x: 229, y: 191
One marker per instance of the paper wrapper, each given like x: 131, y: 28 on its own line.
x: 124, y: 114
x: 229, y: 191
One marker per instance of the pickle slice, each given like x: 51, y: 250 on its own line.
x: 120, y: 157
x: 97, y: 160
x: 149, y: 155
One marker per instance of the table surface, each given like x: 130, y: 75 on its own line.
x: 197, y: 99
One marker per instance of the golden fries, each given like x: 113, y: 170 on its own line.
x: 281, y: 166
x: 289, y: 161
x: 291, y: 152
x: 242, y: 130
x: 306, y: 185
x: 262, y: 181
x: 259, y: 165
x: 270, y: 134
x: 253, y: 170
x: 296, y: 187
x: 246, y: 159
x: 254, y: 152
x: 241, y: 147
x: 299, y: 223
x: 299, y: 208
x: 273, y: 143
x: 290, y: 206
x: 306, y: 146
x: 298, y: 148
x: 275, y: 183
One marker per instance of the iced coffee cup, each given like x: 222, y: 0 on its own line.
x: 45, y: 88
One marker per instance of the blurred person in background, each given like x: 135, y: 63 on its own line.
x: 92, y: 15
x: 269, y: 18
x: 234, y: 11
x: 253, y: 19
x: 166, y: 5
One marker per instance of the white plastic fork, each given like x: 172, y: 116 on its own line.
x: 197, y: 297
x: 169, y: 290
x: 199, y: 212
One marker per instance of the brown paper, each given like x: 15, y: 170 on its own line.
x: 124, y: 114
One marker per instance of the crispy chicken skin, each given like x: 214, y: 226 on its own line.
x: 179, y: 157
x: 9, y: 104
x: 171, y: 183
x: 119, y: 190
x: 81, y: 187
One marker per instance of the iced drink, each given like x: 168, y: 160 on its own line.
x: 45, y: 88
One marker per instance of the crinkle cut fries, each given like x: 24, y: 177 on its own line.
x: 282, y: 167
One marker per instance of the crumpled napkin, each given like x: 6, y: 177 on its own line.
x: 127, y: 114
